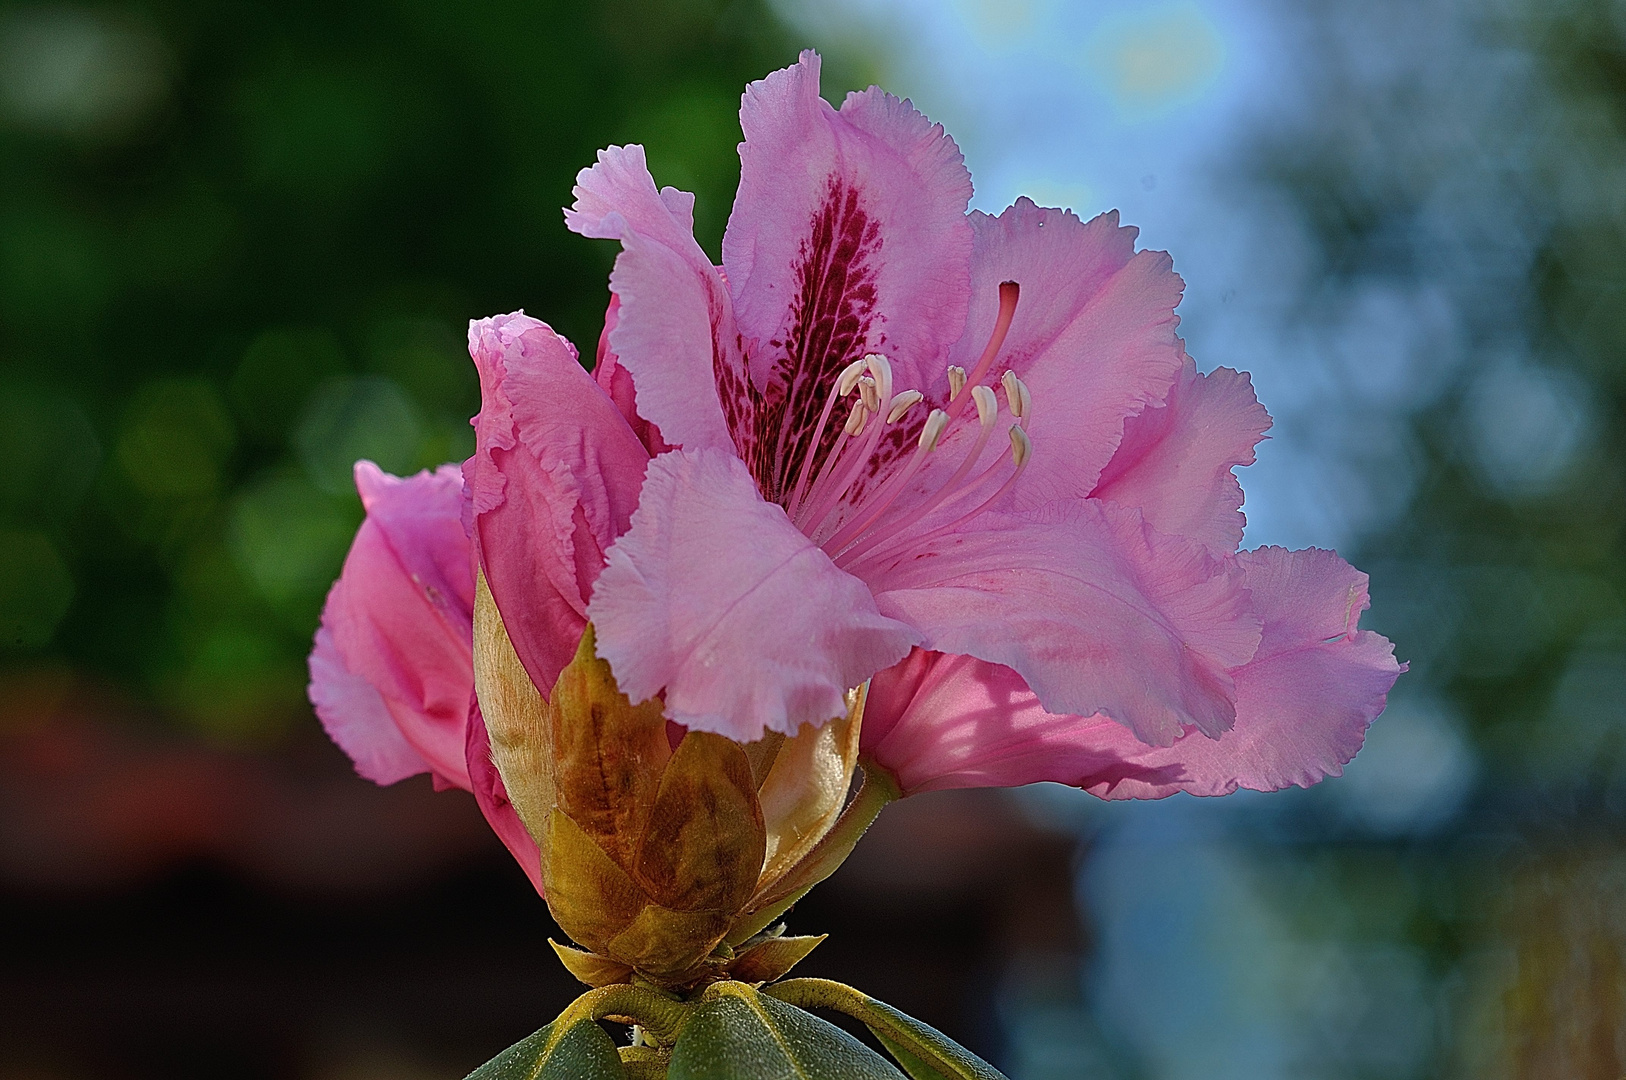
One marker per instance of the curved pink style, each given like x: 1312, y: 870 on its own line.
x: 963, y: 456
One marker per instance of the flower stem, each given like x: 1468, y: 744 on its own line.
x: 659, y: 1015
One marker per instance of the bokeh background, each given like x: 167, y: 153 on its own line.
x: 239, y: 244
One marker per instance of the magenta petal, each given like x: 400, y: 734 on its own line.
x: 492, y: 798
x: 1095, y: 610
x: 553, y: 481
x: 1093, y: 337
x: 356, y: 718
x: 848, y: 235
x: 399, y: 619
x: 1174, y: 464
x: 674, y: 330
x: 714, y: 597
x: 1306, y: 699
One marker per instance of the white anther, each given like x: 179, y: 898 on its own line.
x: 879, y: 367
x: 1021, y: 446
x: 902, y: 403
x: 1027, y: 402
x: 936, y: 421
x: 857, y: 419
x: 987, y: 405
x: 1015, y: 393
x: 869, y: 394
x: 956, y: 375
x: 849, y: 377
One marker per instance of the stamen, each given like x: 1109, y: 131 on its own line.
x: 845, y: 383
x: 1021, y: 446
x: 956, y: 376
x: 880, y: 367
x: 987, y: 405
x: 849, y: 376
x: 871, y: 397
x: 829, y: 495
x: 902, y: 404
x: 857, y: 418
x: 1016, y: 394
x: 1009, y: 291
x: 987, y: 414
x: 936, y: 421
x: 1021, y: 452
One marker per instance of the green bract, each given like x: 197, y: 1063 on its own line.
x: 734, y: 1031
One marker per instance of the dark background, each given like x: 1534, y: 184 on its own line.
x: 239, y: 245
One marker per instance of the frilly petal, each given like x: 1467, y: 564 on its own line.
x: 1174, y: 464
x: 1093, y: 337
x: 1095, y: 610
x: 674, y: 328
x: 399, y: 622
x: 1303, y: 705
x: 848, y: 237
x: 553, y: 481
x: 716, y: 599
x: 355, y: 717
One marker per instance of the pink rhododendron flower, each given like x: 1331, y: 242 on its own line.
x: 963, y: 456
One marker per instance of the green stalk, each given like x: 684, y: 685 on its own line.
x: 659, y: 1015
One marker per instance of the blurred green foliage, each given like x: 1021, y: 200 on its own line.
x: 1503, y: 576
x: 239, y: 248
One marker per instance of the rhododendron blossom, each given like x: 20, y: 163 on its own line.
x: 962, y: 458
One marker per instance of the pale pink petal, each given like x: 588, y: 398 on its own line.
x: 356, y: 718
x: 716, y: 599
x: 848, y: 237
x: 674, y: 328
x: 400, y: 619
x: 616, y: 381
x: 940, y: 721
x: 492, y: 798
x: 1302, y: 706
x: 1174, y: 464
x: 1095, y: 610
x: 553, y: 481
x: 1093, y: 337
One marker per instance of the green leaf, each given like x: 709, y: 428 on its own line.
x: 914, y: 1066
x: 581, y: 1051
x: 940, y: 1056
x: 738, y: 1034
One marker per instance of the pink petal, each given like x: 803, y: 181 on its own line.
x: 1174, y: 464
x: 848, y: 237
x: 356, y: 718
x: 714, y: 597
x: 674, y: 328
x: 940, y: 721
x: 553, y: 481
x: 492, y: 798
x: 616, y: 381
x: 1095, y: 610
x: 399, y: 619
x: 1093, y: 337
x: 1303, y: 705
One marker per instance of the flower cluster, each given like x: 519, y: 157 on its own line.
x: 960, y: 461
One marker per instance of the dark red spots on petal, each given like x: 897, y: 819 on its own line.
x: 831, y: 317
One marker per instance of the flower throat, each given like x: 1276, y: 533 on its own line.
x: 856, y: 523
